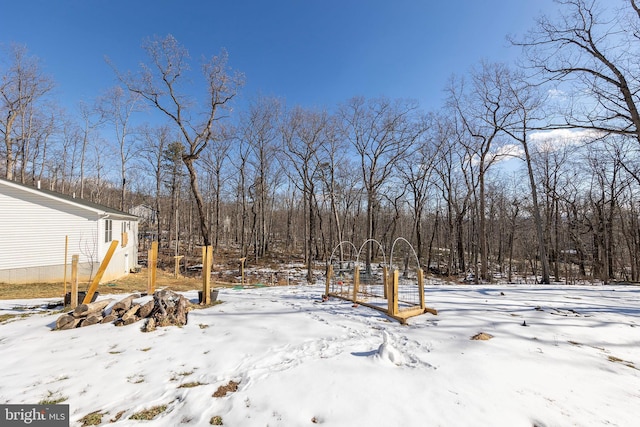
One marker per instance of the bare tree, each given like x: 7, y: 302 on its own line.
x: 240, y: 160
x: 116, y: 107
x: 525, y: 102
x: 172, y: 164
x: 302, y: 136
x: 381, y: 132
x: 451, y: 166
x: 63, y: 154
x: 333, y: 153
x: 416, y: 171
x: 259, y: 129
x: 483, y: 110
x: 587, y: 47
x: 607, y: 184
x: 156, y: 141
x: 215, y: 158
x: 22, y: 85
x: 35, y: 127
x: 90, y: 122
x: 159, y: 82
x: 550, y: 161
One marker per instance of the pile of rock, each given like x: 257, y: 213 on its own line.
x: 165, y: 309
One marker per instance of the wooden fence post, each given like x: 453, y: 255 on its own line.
x: 74, y: 281
x: 176, y: 267
x: 393, y: 293
x: 207, y: 260
x: 421, y: 287
x: 385, y: 281
x: 242, y: 260
x: 152, y: 268
x: 329, y: 277
x: 66, y: 250
x: 356, y: 282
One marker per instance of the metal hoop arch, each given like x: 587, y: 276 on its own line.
x: 340, y: 244
x: 384, y: 256
x: 412, y: 250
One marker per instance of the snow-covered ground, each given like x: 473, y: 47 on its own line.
x: 559, y: 356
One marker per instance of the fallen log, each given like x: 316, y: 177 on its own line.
x: 167, y: 308
x: 146, y: 309
x: 71, y: 325
x: 125, y: 304
x: 84, y: 310
x: 65, y: 320
x: 91, y: 320
x: 131, y: 313
x: 129, y: 320
x: 109, y: 318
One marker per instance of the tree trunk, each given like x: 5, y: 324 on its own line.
x: 312, y: 225
x: 202, y: 214
x: 542, y: 251
x: 482, y: 229
x: 10, y: 160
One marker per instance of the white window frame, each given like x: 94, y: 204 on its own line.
x: 108, y: 230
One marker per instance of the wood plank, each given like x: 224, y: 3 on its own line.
x: 103, y: 267
x: 421, y: 287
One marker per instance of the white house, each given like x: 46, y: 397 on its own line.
x: 36, y: 223
x: 145, y: 214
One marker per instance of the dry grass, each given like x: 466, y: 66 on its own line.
x: 222, y: 391
x: 191, y: 384
x: 31, y: 290
x: 149, y: 414
x: 482, y: 336
x: 216, y: 421
x: 226, y: 265
x: 52, y: 398
x: 135, y: 282
x: 92, y: 419
x: 624, y: 362
x: 6, y: 317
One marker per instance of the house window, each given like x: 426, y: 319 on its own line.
x: 108, y: 230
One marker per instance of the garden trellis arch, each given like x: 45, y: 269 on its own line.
x: 382, y: 287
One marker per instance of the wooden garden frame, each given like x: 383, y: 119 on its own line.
x: 390, y: 285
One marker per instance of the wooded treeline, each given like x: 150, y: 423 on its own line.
x: 526, y: 170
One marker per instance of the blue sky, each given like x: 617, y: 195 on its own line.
x: 315, y: 53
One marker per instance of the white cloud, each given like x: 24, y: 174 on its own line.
x: 555, y: 139
x: 510, y: 150
x: 556, y: 93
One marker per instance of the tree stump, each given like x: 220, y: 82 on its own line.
x: 169, y: 309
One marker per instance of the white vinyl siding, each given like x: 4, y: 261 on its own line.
x: 33, y: 227
x: 33, y: 231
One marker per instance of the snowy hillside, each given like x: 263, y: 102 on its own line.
x: 555, y: 356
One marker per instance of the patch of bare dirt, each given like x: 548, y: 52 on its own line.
x: 482, y: 336
x: 222, y: 391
